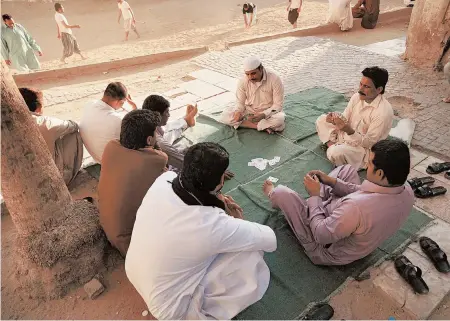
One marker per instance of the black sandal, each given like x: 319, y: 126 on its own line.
x: 411, y: 274
x: 447, y: 175
x: 435, y: 254
x: 417, y: 182
x: 437, y: 168
x: 321, y: 311
x: 427, y: 191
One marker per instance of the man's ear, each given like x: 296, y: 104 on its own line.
x: 379, y: 90
x: 151, y: 141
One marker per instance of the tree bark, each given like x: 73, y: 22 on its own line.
x: 428, y: 31
x: 32, y: 186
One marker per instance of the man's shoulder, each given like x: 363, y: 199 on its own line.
x: 273, y: 76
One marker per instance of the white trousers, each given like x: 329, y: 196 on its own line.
x: 340, y: 153
x: 274, y: 122
x: 233, y: 282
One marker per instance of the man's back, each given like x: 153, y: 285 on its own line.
x: 125, y: 178
x: 379, y: 212
x: 173, y: 244
x: 99, y: 125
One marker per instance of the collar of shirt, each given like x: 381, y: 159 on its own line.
x: 374, y: 104
x: 370, y: 187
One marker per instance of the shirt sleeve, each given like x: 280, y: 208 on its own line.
x: 342, y: 188
x: 58, y: 18
x: 30, y: 39
x: 241, y: 96
x: 374, y: 133
x: 5, y: 48
x: 278, y: 97
x: 237, y: 235
x: 59, y: 128
x: 342, y: 222
x: 174, y: 129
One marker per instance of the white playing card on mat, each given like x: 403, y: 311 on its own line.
x: 272, y: 179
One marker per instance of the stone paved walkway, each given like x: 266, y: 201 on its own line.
x: 310, y: 61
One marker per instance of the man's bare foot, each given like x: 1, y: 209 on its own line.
x: 83, y: 57
x: 63, y: 60
x: 268, y: 188
x: 446, y: 100
x: 269, y: 131
x: 191, y: 112
x: 329, y: 144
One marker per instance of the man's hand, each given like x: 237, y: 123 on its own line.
x: 131, y: 102
x: 134, y: 21
x: 8, y: 62
x: 237, y: 116
x: 330, y: 118
x: 343, y: 125
x: 299, y: 9
x: 312, y: 185
x: 232, y: 208
x: 59, y: 36
x: 257, y: 117
x: 287, y: 9
x: 323, y: 178
x: 77, y: 26
x: 228, y: 175
x: 40, y: 53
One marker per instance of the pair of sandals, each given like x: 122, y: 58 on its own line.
x: 422, y: 189
x: 437, y: 168
x: 413, y: 274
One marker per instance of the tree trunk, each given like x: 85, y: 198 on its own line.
x: 60, y: 242
x: 428, y: 31
x: 32, y: 186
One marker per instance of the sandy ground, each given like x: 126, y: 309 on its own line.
x: 164, y: 25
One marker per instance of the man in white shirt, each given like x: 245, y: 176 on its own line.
x: 294, y: 8
x: 70, y: 43
x: 366, y: 120
x: 102, y: 119
x: 129, y: 21
x: 249, y: 10
x: 259, y: 100
x: 192, y: 255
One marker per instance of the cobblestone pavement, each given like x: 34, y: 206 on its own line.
x: 308, y: 62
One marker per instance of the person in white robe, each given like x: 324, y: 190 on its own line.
x: 340, y: 12
x: 18, y: 46
x: 192, y: 255
x: 259, y: 100
x: 367, y: 119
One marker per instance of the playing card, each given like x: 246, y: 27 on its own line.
x: 272, y: 179
x: 272, y: 162
x: 277, y: 159
x: 251, y: 163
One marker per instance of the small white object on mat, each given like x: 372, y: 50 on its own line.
x: 272, y: 179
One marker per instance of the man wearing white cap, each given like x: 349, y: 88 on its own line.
x: 259, y: 100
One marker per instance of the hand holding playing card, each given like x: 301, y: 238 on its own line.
x: 232, y: 208
x: 312, y: 185
x: 256, y: 118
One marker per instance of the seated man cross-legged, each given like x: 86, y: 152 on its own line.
x: 192, y: 255
x: 366, y: 120
x: 259, y: 100
x: 343, y: 220
x: 129, y: 167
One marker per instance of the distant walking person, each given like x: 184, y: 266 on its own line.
x: 18, y: 47
x: 69, y: 41
x: 368, y: 10
x: 294, y: 8
x: 249, y: 11
x: 129, y: 21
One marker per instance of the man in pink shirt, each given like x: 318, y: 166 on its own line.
x: 344, y: 220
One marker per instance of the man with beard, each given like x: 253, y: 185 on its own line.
x: 259, y: 100
x: 367, y: 119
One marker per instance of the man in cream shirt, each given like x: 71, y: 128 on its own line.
x: 259, y: 100
x: 366, y: 120
x: 102, y: 119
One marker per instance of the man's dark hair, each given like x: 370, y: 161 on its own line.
x: 379, y: 76
x: 57, y: 6
x: 203, y: 166
x: 392, y: 156
x: 33, y: 98
x: 156, y: 103
x: 245, y: 5
x: 6, y: 17
x: 116, y: 91
x: 136, y: 126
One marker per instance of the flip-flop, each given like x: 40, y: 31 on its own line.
x: 435, y: 254
x: 416, y: 182
x: 437, y: 168
x: 321, y: 311
x: 447, y: 175
x: 427, y: 191
x: 411, y: 274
